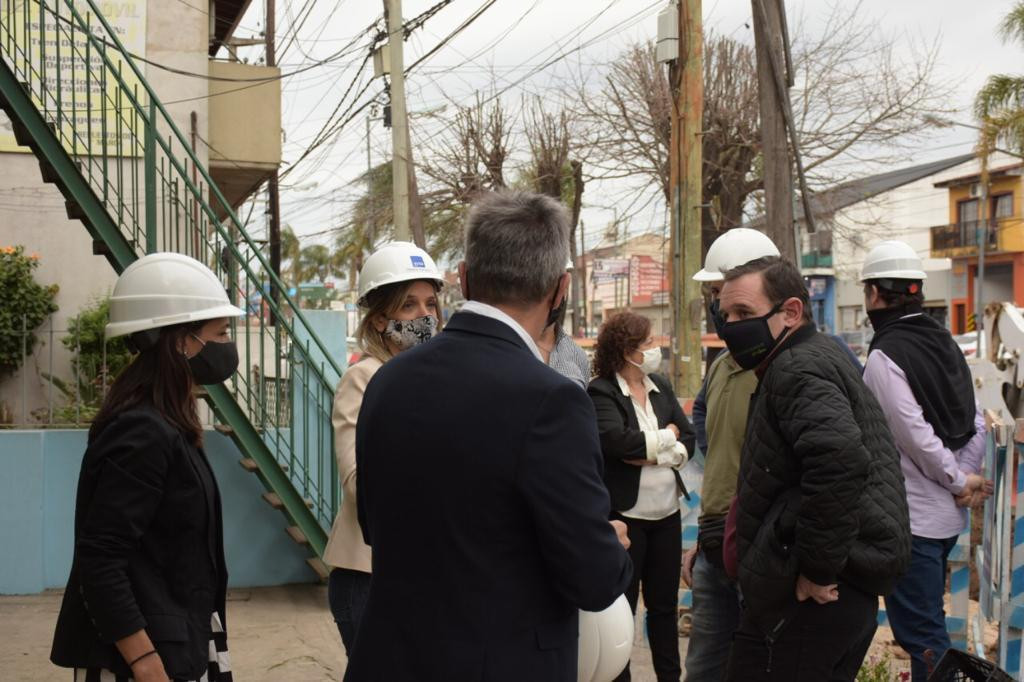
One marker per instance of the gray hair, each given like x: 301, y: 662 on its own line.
x: 517, y: 244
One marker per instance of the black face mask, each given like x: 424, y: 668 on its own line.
x: 715, y: 315
x: 750, y: 341
x: 214, y: 363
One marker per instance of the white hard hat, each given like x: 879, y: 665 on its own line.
x: 396, y: 262
x: 606, y: 640
x: 736, y: 247
x: 161, y: 289
x: 892, y: 260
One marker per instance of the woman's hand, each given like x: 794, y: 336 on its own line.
x: 138, y: 652
x: 674, y: 429
x: 150, y: 669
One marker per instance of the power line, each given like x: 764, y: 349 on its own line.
x: 459, y: 29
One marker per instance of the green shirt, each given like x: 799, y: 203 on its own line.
x: 729, y: 388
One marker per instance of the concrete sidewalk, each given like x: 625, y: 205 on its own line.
x: 275, y: 634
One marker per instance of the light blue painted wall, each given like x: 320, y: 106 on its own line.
x: 38, y: 479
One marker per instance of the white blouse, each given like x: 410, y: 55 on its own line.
x: 658, y: 495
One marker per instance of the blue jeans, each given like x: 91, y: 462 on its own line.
x: 715, y: 616
x: 915, y: 607
x: 347, y: 592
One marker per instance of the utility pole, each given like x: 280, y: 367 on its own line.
x: 273, y: 196
x: 687, y: 77
x: 582, y: 278
x: 982, y: 237
x: 778, y: 180
x: 399, y: 119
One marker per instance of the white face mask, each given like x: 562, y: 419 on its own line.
x: 651, y: 362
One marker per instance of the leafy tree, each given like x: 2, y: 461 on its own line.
x: 26, y: 303
x: 95, y: 363
x: 291, y: 253
x: 999, y: 105
x: 315, y: 263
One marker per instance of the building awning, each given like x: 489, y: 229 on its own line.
x: 227, y: 15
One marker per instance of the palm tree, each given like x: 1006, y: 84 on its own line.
x: 291, y: 251
x: 999, y: 105
x: 372, y: 218
x: 315, y: 263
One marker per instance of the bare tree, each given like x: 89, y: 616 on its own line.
x: 468, y: 159
x: 630, y: 124
x: 552, y: 137
x: 855, y: 102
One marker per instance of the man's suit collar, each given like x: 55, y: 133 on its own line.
x: 479, y: 324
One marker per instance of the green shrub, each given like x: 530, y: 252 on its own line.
x: 94, y: 368
x: 25, y: 304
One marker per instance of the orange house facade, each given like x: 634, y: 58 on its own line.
x: 996, y: 220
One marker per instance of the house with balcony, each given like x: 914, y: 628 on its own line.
x: 985, y: 221
x: 853, y: 216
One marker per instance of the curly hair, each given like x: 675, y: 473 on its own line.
x: 621, y: 334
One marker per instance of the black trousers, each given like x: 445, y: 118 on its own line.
x: 656, y: 550
x: 821, y: 643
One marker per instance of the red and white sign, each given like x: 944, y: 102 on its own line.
x: 646, y: 277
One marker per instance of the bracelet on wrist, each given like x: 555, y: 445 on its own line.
x: 139, y: 658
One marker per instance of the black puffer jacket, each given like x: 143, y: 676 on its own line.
x: 820, y: 492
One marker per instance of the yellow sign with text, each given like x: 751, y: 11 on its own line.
x: 74, y: 80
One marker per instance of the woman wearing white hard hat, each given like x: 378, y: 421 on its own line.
x: 398, y: 288
x: 146, y: 596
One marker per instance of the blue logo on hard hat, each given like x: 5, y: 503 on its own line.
x: 417, y: 261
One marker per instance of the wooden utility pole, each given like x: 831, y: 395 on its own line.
x: 778, y: 179
x: 273, y: 196
x: 687, y: 77
x: 581, y: 278
x: 399, y: 119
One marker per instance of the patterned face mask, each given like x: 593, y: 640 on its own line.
x: 408, y: 333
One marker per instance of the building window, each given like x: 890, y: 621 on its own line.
x: 967, y: 211
x: 850, y: 317
x: 1002, y: 205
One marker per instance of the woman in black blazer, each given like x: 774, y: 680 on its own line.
x: 146, y: 595
x: 645, y: 438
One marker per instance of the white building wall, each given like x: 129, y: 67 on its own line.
x: 906, y: 213
x: 32, y: 212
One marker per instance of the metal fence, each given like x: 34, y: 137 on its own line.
x: 61, y: 379
x: 45, y: 390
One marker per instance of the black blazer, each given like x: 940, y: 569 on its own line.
x: 149, y: 550
x: 621, y: 437
x: 479, y: 479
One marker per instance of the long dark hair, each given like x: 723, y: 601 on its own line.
x: 159, y: 377
x: 623, y: 333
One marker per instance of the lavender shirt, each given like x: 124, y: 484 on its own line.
x: 933, y: 473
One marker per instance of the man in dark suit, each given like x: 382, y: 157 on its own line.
x: 479, y: 479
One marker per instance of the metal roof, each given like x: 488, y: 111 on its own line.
x: 848, y: 193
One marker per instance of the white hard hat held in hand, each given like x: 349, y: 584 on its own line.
x: 163, y: 289
x: 892, y: 260
x: 396, y: 262
x: 736, y: 247
x: 606, y: 641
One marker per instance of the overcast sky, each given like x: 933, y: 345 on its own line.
x: 513, y: 38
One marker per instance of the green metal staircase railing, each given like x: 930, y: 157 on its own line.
x: 77, y: 98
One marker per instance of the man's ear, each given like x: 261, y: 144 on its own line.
x: 463, y: 282
x: 873, y: 296
x: 793, y: 311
